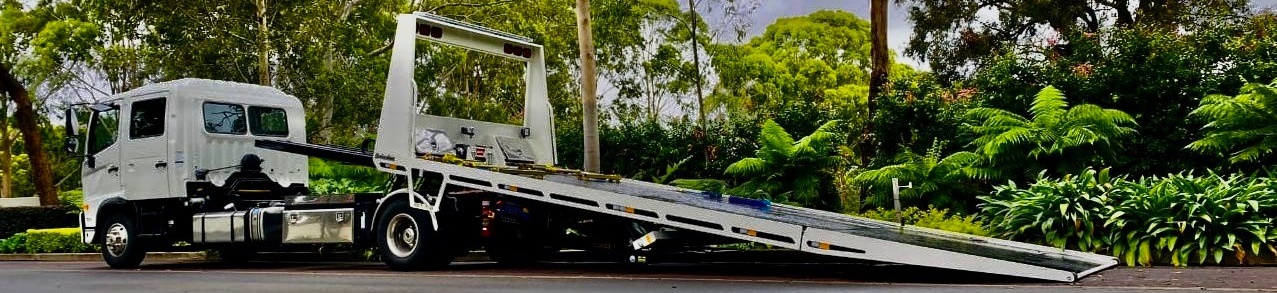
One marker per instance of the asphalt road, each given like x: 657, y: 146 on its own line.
x: 307, y: 277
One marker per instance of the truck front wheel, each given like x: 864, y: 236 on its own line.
x: 407, y: 240
x: 121, y: 247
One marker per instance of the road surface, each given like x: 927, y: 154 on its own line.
x: 311, y: 277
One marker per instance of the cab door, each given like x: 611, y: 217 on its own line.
x: 100, y: 169
x: 145, y: 152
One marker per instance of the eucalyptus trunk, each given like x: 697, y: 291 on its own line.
x: 589, y: 106
x: 41, y: 174
x: 6, y: 155
x: 263, y: 47
x: 877, y: 77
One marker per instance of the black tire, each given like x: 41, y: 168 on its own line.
x: 421, y: 248
x: 121, y: 247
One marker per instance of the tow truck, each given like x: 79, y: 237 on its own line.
x: 223, y: 166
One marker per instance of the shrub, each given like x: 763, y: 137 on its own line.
x: 1065, y: 213
x: 1178, y: 219
x: 71, y: 198
x: 19, y: 219
x: 14, y: 244
x: 1183, y: 219
x: 932, y: 218
x: 61, y: 240
x: 329, y: 186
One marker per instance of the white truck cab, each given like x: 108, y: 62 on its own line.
x: 147, y: 143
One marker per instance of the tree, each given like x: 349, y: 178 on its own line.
x: 952, y: 35
x: 821, y: 59
x: 942, y: 182
x: 40, y: 40
x: 1056, y: 137
x: 1243, y: 126
x: 786, y: 170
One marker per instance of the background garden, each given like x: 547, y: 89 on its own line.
x: 1140, y: 129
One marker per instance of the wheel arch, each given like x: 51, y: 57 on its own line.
x: 112, y: 206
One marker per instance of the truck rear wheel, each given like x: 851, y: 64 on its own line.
x: 407, y: 241
x: 121, y: 247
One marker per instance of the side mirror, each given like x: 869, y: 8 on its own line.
x: 72, y: 131
x: 71, y: 145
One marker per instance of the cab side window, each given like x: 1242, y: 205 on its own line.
x: 224, y: 118
x: 103, y: 130
x: 266, y: 121
x: 147, y: 119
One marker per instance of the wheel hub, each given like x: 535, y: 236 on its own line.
x: 116, y: 239
x: 401, y: 235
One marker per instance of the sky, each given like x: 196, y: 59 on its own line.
x: 898, y: 26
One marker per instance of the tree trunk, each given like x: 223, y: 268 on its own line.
x: 878, y: 76
x: 25, y: 114
x: 696, y: 63
x: 6, y: 149
x: 263, y: 48
x: 589, y: 106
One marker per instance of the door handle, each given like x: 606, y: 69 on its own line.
x: 161, y: 164
x: 113, y: 169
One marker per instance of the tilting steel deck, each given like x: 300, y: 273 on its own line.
x: 780, y: 225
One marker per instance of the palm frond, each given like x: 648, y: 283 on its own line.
x: 1048, y: 102
x: 747, y: 167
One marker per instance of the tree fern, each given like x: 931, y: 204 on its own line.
x: 937, y: 181
x: 1055, y: 136
x: 787, y: 170
x: 1242, y: 127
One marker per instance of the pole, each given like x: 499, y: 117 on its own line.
x: 589, y: 104
x: 895, y: 196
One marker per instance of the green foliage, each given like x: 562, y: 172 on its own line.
x: 820, y: 59
x: 1179, y: 219
x: 788, y: 170
x: 946, y: 33
x: 1054, y: 137
x: 1065, y: 213
x: 1244, y: 126
x: 932, y: 218
x: 61, y: 240
x: 1158, y: 75
x: 71, y: 198
x: 329, y: 186
x: 1183, y: 219
x: 14, y: 244
x: 19, y: 219
x: 915, y: 113
x: 328, y: 178
x: 936, y: 181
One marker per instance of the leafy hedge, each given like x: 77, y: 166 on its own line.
x: 61, y: 240
x: 1179, y: 219
x: 19, y: 219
